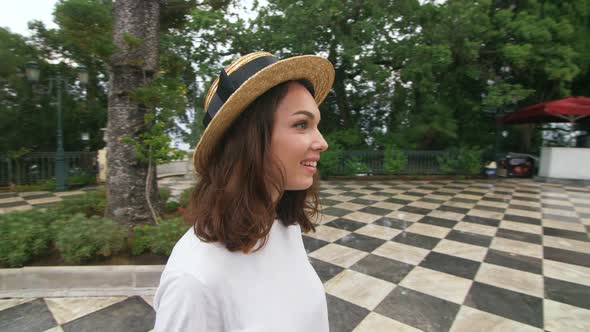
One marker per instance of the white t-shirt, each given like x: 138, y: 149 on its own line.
x: 205, y: 287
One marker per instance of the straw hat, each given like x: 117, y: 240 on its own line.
x: 246, y: 79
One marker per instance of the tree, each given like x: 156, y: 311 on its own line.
x: 132, y: 65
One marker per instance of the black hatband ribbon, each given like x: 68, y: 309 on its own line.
x: 228, y: 84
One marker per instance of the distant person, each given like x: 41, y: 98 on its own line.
x: 242, y: 266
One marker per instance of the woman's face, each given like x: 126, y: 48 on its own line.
x: 296, y: 140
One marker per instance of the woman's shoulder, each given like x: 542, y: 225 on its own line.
x: 195, y: 257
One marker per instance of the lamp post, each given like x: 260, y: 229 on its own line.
x: 32, y: 72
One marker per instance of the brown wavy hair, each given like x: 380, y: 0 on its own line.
x: 232, y: 200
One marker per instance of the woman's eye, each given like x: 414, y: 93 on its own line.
x: 302, y: 124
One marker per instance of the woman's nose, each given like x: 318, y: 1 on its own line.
x: 320, y: 143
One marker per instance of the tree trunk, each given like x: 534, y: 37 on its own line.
x: 133, y: 64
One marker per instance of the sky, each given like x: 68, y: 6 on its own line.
x: 17, y: 14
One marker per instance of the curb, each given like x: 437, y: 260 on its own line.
x: 61, y: 281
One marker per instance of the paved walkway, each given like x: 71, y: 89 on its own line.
x: 507, y: 255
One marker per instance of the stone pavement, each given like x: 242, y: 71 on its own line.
x: 13, y: 201
x: 447, y: 255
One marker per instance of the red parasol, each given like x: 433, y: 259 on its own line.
x: 570, y: 109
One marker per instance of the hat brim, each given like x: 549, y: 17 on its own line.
x: 316, y: 70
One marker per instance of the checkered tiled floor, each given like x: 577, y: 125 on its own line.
x: 508, y: 255
x: 12, y: 201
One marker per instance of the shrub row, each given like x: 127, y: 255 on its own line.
x: 75, y: 227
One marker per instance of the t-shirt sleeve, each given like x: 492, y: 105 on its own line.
x: 183, y: 303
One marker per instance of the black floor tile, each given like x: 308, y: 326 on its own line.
x: 332, y: 211
x: 495, y: 199
x: 579, y: 236
x: 415, y: 193
x: 438, y: 222
x: 457, y: 266
x: 352, y: 194
x: 419, y: 310
x: 502, y: 302
x: 32, y: 316
x: 360, y: 242
x: 566, y: 256
x: 414, y: 209
x: 472, y: 193
x: 519, y: 236
x: 13, y: 204
x: 416, y: 240
x: 463, y: 200
x: 558, y: 207
x: 311, y: 244
x: 524, y: 198
x: 393, y: 223
x: 567, y: 292
x: 482, y: 221
x: 490, y: 208
x: 376, y: 210
x: 470, y: 238
x: 325, y: 270
x: 502, y: 192
x: 560, y: 217
x: 8, y: 195
x: 526, y: 220
x: 448, y: 208
x: 130, y: 315
x: 347, y: 224
x: 343, y: 315
x: 524, y: 208
x: 37, y: 196
x: 514, y: 261
x: 431, y: 200
x: 397, y: 201
x: 362, y: 201
x: 383, y: 268
x: 328, y: 202
x: 382, y: 193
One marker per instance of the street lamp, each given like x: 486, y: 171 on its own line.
x: 32, y: 72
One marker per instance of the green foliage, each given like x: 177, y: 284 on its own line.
x: 89, y: 204
x: 347, y: 138
x: 80, y: 238
x: 23, y: 236
x: 164, y: 195
x: 185, y: 197
x: 331, y: 160
x: 47, y: 185
x: 158, y: 239
x: 81, y: 179
x: 394, y: 160
x: 355, y: 166
x: 132, y: 41
x: 461, y: 161
x: 171, y: 207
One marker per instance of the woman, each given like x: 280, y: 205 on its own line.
x: 242, y: 266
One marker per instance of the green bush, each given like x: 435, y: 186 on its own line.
x: 330, y: 160
x: 47, y: 185
x: 90, y: 204
x: 23, y: 236
x: 461, y: 161
x: 171, y: 207
x: 356, y: 166
x: 81, y: 179
x: 80, y: 238
x: 394, y: 161
x: 185, y: 197
x: 158, y: 239
x: 164, y: 195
